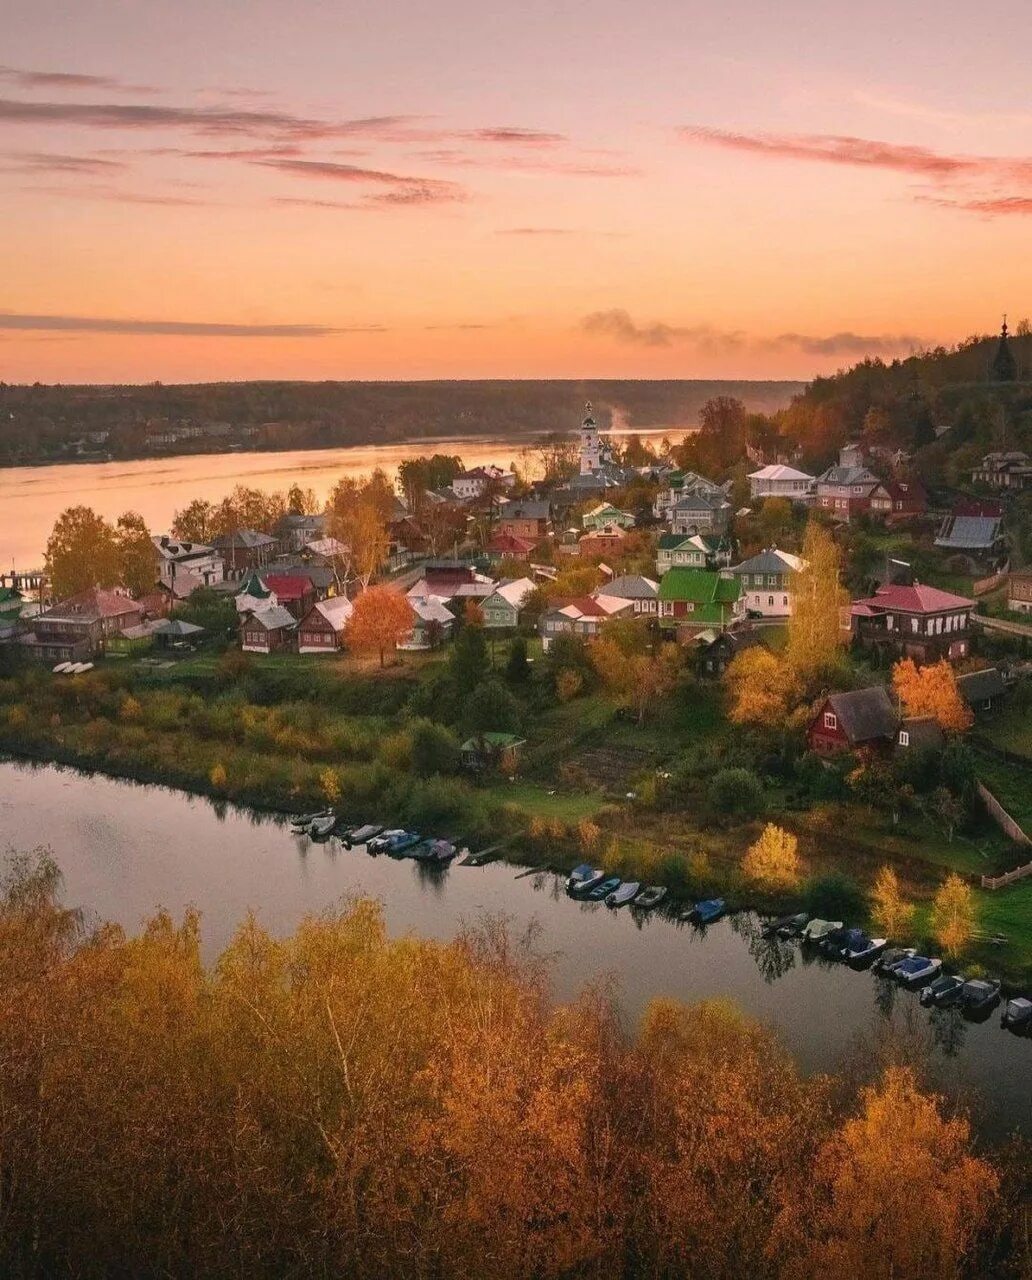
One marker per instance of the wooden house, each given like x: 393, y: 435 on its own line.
x: 849, y: 721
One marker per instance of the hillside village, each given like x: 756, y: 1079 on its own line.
x: 633, y: 646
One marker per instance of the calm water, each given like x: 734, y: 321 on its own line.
x: 31, y: 498
x: 126, y: 849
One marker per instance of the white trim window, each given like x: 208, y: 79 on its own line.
x: 904, y: 738
x: 830, y: 720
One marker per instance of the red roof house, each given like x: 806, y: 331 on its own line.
x: 915, y: 621
x: 293, y: 591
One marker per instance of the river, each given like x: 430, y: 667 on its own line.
x: 31, y: 498
x: 125, y: 849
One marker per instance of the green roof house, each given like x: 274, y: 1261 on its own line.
x: 695, y: 598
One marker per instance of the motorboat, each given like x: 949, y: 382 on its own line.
x: 979, y: 996
x: 916, y: 969
x: 625, y: 894
x: 817, y: 929
x: 833, y: 941
x: 1017, y: 1015
x: 859, y: 947
x: 786, y: 926
x: 583, y: 878
x: 304, y: 820
x: 435, y: 851
x: 708, y: 910
x: 650, y: 897
x: 603, y: 889
x: 382, y: 842
x: 944, y: 991
x: 890, y: 960
x: 362, y: 835
x: 322, y: 828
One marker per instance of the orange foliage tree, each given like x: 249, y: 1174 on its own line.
x: 380, y: 619
x: 773, y: 861
x: 763, y: 687
x: 932, y: 691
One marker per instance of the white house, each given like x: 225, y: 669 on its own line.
x: 185, y: 566
x: 766, y: 582
x: 471, y: 484
x: 780, y: 482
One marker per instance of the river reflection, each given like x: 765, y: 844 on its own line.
x: 125, y: 849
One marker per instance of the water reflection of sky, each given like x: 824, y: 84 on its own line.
x: 126, y: 849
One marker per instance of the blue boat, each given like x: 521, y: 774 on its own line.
x: 604, y: 889
x: 708, y: 910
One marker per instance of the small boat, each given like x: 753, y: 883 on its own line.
x: 785, y: 926
x: 817, y: 929
x: 583, y: 878
x: 650, y: 897
x: 604, y: 889
x: 361, y: 835
x: 708, y: 910
x: 482, y: 857
x: 625, y: 894
x: 304, y: 820
x: 322, y: 828
x: 916, y: 969
x: 860, y: 947
x: 382, y: 842
x: 890, y: 960
x: 979, y: 996
x: 1017, y: 1015
x: 833, y: 941
x: 434, y: 851
x: 944, y: 991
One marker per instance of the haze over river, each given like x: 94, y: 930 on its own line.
x: 125, y: 849
x: 31, y: 498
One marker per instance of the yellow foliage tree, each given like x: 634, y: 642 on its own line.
x: 954, y: 915
x: 218, y: 777
x: 890, y: 911
x: 763, y: 687
x: 773, y: 861
x: 815, y: 633
x: 857, y: 1215
x: 568, y: 683
x: 588, y: 835
x: 329, y: 785
x: 82, y: 552
x: 932, y: 691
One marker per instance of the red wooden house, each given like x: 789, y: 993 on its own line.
x: 294, y: 592
x: 848, y: 721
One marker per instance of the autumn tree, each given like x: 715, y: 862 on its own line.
x: 82, y: 552
x: 773, y: 861
x: 358, y: 515
x: 890, y: 911
x: 195, y: 523
x: 856, y: 1215
x: 379, y: 621
x: 763, y: 687
x: 932, y: 690
x: 953, y: 915
x: 138, y: 561
x: 815, y: 633
x: 302, y: 501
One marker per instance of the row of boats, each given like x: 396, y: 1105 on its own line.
x: 975, y: 997
x: 593, y: 885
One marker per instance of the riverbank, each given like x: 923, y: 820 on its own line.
x: 286, y: 735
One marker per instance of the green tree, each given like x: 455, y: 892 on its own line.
x: 517, y: 668
x: 736, y: 793
x: 491, y: 708
x: 469, y: 661
x: 435, y: 749
x: 138, y: 562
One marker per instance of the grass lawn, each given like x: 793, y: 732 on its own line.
x: 534, y: 797
x: 1008, y: 912
x: 1010, y: 729
x: 1010, y: 784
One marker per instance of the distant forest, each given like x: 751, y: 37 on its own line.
x: 61, y: 423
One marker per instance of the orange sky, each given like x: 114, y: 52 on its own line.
x: 668, y: 189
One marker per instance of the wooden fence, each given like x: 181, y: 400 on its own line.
x: 1011, y: 828
x: 984, y: 585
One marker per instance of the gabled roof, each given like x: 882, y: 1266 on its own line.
x: 91, y: 605
x: 254, y: 587
x: 969, y: 533
x: 337, y: 610
x: 530, y: 510
x: 701, y: 502
x: 700, y: 586
x: 607, y: 531
x: 865, y: 714
x: 770, y: 561
x: 272, y: 619
x: 924, y: 732
x: 779, y: 472
x: 247, y: 539
x: 431, y: 609
x: 977, y: 686
x: 630, y: 586
x: 840, y: 475
x: 288, y: 586
x: 514, y: 590
x: 916, y: 598
x: 704, y: 542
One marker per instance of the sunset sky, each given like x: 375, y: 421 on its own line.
x: 256, y: 188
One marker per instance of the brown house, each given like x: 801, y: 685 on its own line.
x: 245, y: 551
x: 1019, y: 592
x: 607, y: 541
x: 527, y: 520
x: 79, y: 627
x: 323, y: 626
x: 848, y: 721
x: 268, y: 631
x: 914, y: 621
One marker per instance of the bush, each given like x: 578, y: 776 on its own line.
x: 736, y: 793
x: 435, y: 749
x: 834, y: 896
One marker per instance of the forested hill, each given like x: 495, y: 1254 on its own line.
x: 38, y: 423
x: 943, y: 405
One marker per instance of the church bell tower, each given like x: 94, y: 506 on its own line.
x: 590, y: 452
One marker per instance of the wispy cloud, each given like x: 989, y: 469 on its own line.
x: 571, y: 167
x: 618, y: 325
x: 863, y: 152
x: 406, y: 189
x: 513, y: 136
x: 113, y: 195
x: 72, y: 80
x: 206, y: 121
x: 171, y: 328
x: 988, y: 206
x: 56, y: 162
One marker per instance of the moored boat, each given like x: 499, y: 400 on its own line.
x: 979, y: 996
x: 322, y: 828
x: 584, y: 878
x: 603, y: 889
x: 858, y: 947
x: 790, y: 926
x: 706, y: 911
x: 649, y: 897
x: 944, y: 991
x: 890, y: 960
x: 362, y: 835
x: 1017, y: 1015
x: 915, y: 969
x: 624, y: 895
x: 815, y: 930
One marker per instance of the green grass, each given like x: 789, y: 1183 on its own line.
x: 1010, y: 729
x: 569, y: 806
x: 1008, y: 912
x: 1009, y: 783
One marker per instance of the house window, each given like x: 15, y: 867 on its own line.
x: 915, y: 625
x: 830, y: 720
x: 770, y: 601
x: 772, y: 580
x: 904, y: 738
x: 784, y: 601
x: 668, y: 608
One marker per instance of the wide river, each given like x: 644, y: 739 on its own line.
x: 31, y: 498
x: 126, y: 849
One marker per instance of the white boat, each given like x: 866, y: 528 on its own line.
x: 625, y: 894
x: 815, y: 930
x: 320, y: 828
x: 1017, y: 1014
x: 917, y: 969
x: 584, y: 878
